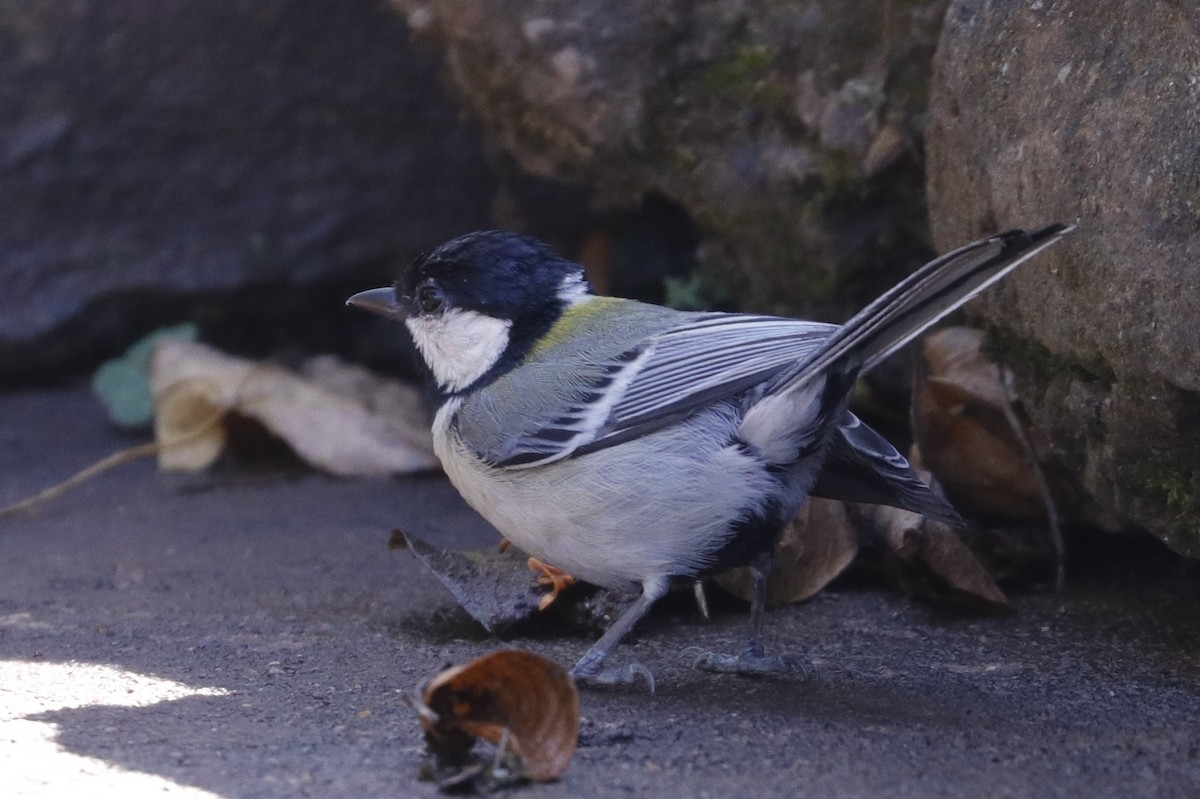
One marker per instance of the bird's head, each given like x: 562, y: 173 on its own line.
x: 478, y: 303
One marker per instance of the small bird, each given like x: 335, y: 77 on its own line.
x: 632, y: 445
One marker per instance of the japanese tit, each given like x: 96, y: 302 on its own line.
x: 631, y: 445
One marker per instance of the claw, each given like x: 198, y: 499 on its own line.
x: 616, y: 675
x: 590, y: 669
x: 701, y: 599
x: 638, y: 670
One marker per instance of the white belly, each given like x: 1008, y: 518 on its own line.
x: 651, y: 508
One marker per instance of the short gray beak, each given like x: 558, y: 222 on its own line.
x: 380, y: 301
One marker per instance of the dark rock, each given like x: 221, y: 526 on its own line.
x: 1047, y: 111
x: 161, y: 150
x: 789, y: 131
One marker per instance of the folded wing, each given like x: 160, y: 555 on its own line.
x: 652, y: 384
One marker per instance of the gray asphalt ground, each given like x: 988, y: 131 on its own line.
x: 247, y: 633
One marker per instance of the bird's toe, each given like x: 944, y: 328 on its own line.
x: 750, y: 662
x: 627, y: 675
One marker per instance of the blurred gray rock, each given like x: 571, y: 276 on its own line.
x: 1062, y: 111
x: 790, y: 131
x: 158, y: 150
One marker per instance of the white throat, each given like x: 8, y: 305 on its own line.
x: 459, y: 346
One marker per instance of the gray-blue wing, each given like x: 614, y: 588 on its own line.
x: 655, y: 382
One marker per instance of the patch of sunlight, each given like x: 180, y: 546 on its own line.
x: 32, y: 762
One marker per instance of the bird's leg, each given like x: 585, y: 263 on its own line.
x: 753, y: 658
x: 590, y: 669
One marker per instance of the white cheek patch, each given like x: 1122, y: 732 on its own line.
x: 459, y: 346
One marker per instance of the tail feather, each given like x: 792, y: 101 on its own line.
x: 862, y: 466
x: 920, y: 300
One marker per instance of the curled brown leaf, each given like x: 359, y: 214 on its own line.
x: 522, y: 703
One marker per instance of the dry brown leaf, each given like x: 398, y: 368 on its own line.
x: 815, y: 548
x: 936, y: 546
x: 497, y: 590
x: 956, y: 354
x: 978, y: 441
x: 494, y: 588
x: 522, y: 703
x: 346, y: 421
x: 969, y: 434
x: 890, y: 145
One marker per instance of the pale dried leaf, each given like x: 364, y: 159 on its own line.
x: 341, y: 432
x: 400, y: 403
x: 188, y: 425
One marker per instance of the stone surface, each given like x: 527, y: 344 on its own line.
x: 789, y: 131
x: 157, y: 150
x: 1090, y: 112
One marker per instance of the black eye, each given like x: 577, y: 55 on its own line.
x: 430, y: 298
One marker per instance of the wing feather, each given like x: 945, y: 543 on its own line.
x: 663, y: 379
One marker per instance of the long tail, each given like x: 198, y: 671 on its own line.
x: 917, y: 302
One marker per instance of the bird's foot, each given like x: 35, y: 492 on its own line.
x: 557, y: 580
x: 628, y: 675
x: 751, y: 662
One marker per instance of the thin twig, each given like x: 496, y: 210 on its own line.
x: 112, y: 461
x: 1053, y: 517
